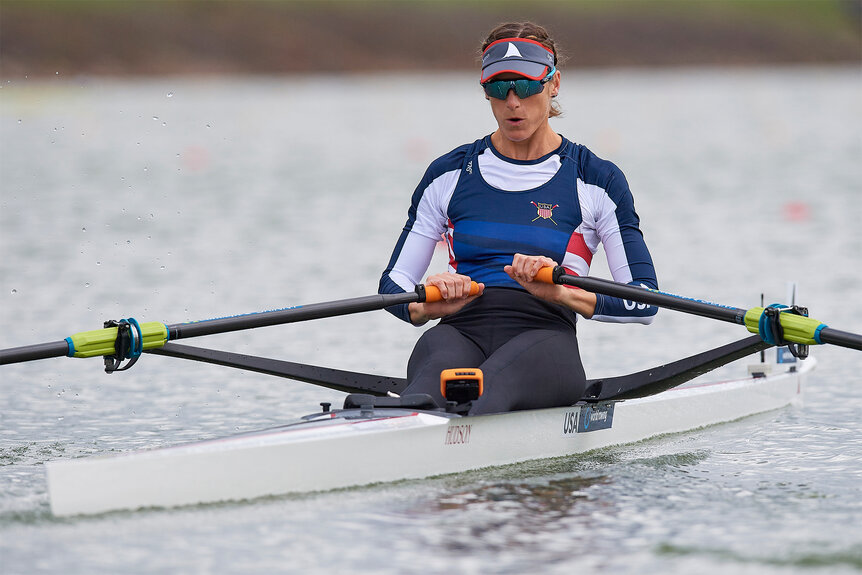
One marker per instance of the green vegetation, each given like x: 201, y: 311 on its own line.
x: 232, y: 36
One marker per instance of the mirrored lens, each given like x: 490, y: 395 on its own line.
x: 523, y: 88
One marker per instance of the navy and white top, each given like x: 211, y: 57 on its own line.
x: 487, y: 207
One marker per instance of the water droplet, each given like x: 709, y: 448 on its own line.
x: 61, y: 418
x: 208, y: 126
x: 156, y: 118
x: 83, y: 229
x: 19, y: 121
x: 170, y: 95
x: 14, y: 291
x: 86, y: 285
x: 161, y: 268
x: 98, y: 263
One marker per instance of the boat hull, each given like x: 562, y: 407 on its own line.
x: 359, y: 447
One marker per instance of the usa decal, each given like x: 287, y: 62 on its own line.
x: 586, y: 418
x: 545, y: 211
x: 570, y: 421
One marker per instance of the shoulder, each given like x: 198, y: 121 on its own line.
x: 592, y: 169
x: 599, y: 172
x: 454, y: 159
x: 442, y: 175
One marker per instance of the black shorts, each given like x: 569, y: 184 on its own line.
x: 526, y: 348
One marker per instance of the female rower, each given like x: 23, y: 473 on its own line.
x: 507, y: 205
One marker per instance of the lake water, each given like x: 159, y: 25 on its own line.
x: 183, y: 199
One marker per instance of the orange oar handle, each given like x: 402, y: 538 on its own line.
x: 546, y: 275
x: 432, y: 293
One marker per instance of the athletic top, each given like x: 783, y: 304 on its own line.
x: 487, y: 207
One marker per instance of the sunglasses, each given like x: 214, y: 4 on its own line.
x: 523, y: 88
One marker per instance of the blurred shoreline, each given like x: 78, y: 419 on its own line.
x: 178, y: 37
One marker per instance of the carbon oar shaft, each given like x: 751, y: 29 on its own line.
x: 152, y: 335
x: 842, y: 338
x: 34, y: 352
x: 797, y: 329
x: 656, y: 298
x: 101, y: 342
x: 288, y: 315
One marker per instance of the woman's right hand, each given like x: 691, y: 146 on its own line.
x: 455, y: 290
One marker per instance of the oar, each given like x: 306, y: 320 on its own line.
x: 151, y: 335
x: 797, y: 328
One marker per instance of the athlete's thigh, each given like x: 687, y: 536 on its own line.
x: 441, y: 347
x: 537, y: 368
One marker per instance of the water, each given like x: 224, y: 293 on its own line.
x: 179, y: 199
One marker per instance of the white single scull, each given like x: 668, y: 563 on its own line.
x: 354, y: 447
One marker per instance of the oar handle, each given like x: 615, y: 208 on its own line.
x: 432, y: 293
x: 546, y: 274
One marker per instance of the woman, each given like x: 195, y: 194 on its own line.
x: 507, y: 205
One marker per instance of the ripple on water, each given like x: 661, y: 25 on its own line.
x: 31, y: 453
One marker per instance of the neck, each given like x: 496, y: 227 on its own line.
x: 542, y: 142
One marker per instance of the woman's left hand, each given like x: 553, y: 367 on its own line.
x: 524, y: 269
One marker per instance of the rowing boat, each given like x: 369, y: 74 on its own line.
x: 378, y: 438
x: 366, y: 443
